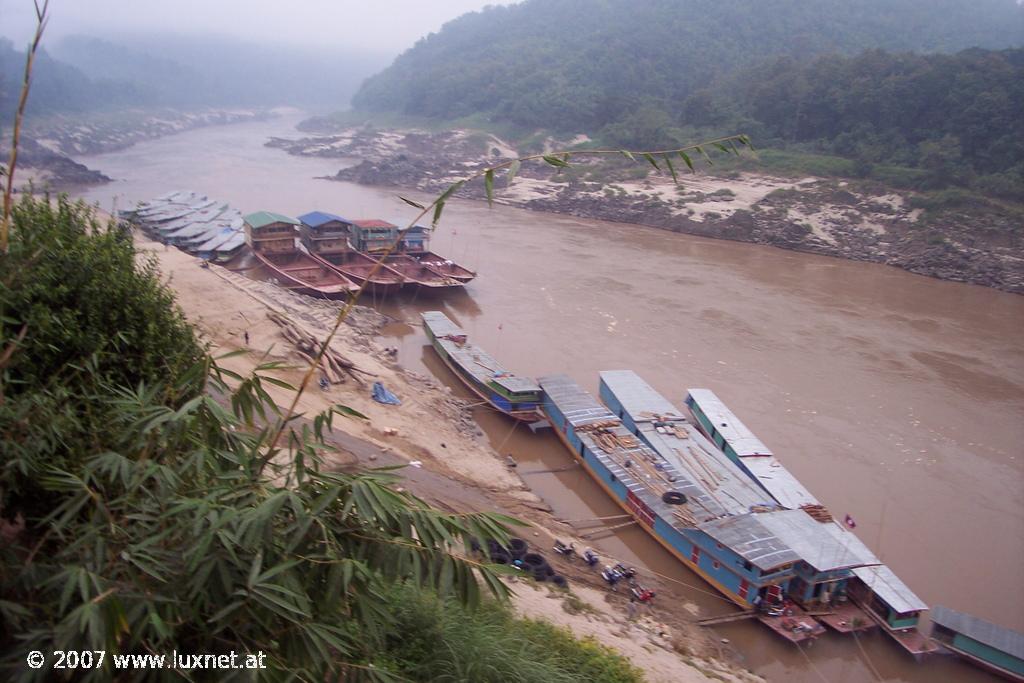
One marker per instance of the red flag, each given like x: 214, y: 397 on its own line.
x: 848, y: 521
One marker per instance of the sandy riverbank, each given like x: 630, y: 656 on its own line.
x: 458, y: 470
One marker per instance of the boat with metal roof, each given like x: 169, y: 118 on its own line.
x: 515, y: 396
x: 875, y: 589
x: 327, y: 236
x: 273, y: 238
x: 776, y: 563
x: 992, y: 647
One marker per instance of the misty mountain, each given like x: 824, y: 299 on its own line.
x: 582, y: 64
x: 83, y: 73
x: 223, y: 71
x: 58, y: 86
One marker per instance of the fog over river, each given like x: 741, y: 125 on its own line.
x: 895, y: 398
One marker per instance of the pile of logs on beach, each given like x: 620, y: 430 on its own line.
x: 333, y: 366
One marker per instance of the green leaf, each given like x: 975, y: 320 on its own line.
x: 721, y: 147
x: 489, y: 186
x: 705, y: 155
x: 650, y: 158
x: 513, y: 169
x: 347, y: 411
x: 687, y: 160
x: 671, y: 168
x: 555, y: 161
x: 411, y: 202
x: 626, y: 153
x: 438, y: 208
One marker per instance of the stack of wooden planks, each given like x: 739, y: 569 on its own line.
x: 819, y: 512
x: 333, y: 366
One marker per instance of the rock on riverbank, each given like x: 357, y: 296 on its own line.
x: 968, y: 240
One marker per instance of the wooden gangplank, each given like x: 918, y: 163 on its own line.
x: 727, y: 618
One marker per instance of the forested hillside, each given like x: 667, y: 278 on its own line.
x: 581, y: 64
x: 955, y: 117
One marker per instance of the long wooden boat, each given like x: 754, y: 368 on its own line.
x: 517, y: 397
x: 420, y: 274
x: 780, y: 565
x: 987, y: 645
x: 443, y: 265
x: 302, y: 273
x: 879, y: 595
x: 358, y: 267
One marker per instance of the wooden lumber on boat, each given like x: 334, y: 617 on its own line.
x: 818, y: 512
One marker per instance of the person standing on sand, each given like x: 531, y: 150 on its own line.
x: 631, y: 609
x: 247, y: 337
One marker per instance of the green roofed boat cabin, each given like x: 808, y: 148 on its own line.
x: 273, y: 238
x: 517, y: 397
x: 987, y: 645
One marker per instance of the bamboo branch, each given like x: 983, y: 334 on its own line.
x: 41, y: 19
x: 557, y: 159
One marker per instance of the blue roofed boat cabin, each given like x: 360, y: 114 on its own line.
x: 373, y: 234
x: 271, y: 233
x: 325, y: 233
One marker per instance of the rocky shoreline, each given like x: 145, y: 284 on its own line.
x: 973, y: 241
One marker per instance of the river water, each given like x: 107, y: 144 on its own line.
x: 894, y: 398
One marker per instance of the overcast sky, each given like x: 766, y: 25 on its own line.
x: 387, y: 26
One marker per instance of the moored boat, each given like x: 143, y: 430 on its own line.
x: 877, y: 594
x: 990, y: 646
x: 444, y: 266
x: 272, y: 237
x: 360, y: 268
x: 517, y: 397
x: 327, y: 237
x: 778, y: 564
x: 419, y: 274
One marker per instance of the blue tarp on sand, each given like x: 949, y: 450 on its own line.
x: 382, y: 395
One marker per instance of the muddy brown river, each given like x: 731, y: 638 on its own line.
x: 895, y: 398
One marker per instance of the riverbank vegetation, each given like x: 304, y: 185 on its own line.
x: 828, y: 84
x: 146, y: 509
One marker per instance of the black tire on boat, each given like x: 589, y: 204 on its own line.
x: 674, y: 497
x: 517, y: 547
x: 540, y: 575
x: 493, y: 546
x: 474, y: 545
x: 534, y: 561
x: 500, y: 557
x: 559, y: 581
x: 549, y: 569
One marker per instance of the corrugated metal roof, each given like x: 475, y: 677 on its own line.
x: 769, y: 539
x: 825, y: 546
x: 261, y: 218
x: 638, y: 398
x: 216, y: 240
x: 995, y: 636
x: 477, y: 362
x: 719, y: 487
x: 578, y: 406
x: 884, y: 583
x: 728, y: 425
x: 752, y: 540
x: 779, y: 482
x: 315, y: 219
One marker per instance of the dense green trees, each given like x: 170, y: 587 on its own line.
x: 956, y: 117
x: 816, y: 75
x: 581, y: 64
